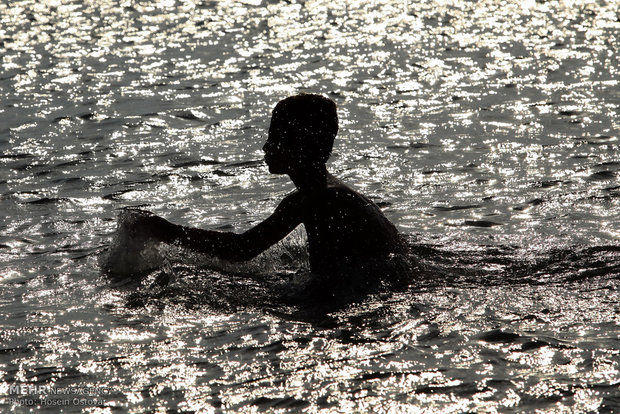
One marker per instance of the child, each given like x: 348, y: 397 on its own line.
x: 344, y: 228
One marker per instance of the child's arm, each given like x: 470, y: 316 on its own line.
x: 226, y: 245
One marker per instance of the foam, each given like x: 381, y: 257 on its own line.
x: 131, y: 251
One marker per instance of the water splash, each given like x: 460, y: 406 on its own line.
x: 131, y: 252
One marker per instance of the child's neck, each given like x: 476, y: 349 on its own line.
x: 311, y: 178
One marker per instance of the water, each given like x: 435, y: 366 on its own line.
x: 487, y: 131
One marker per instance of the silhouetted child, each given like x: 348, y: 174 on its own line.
x: 344, y: 228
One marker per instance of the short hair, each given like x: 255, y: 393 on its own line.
x: 310, y: 122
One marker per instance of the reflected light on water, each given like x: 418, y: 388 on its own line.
x: 489, y: 125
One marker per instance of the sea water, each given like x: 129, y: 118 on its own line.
x: 486, y: 131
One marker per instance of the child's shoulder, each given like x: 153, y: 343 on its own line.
x: 334, y: 193
x: 343, y: 192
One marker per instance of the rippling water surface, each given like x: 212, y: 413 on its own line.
x: 487, y: 131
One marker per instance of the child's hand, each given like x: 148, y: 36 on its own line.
x: 144, y: 224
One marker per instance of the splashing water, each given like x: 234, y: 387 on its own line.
x: 131, y: 252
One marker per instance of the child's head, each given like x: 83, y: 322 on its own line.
x: 302, y: 130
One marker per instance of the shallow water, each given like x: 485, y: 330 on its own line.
x: 487, y: 131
